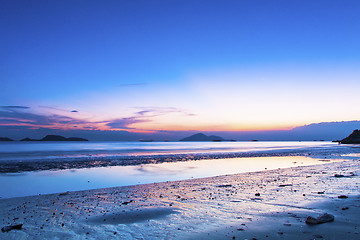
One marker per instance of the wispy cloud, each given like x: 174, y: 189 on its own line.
x: 12, y: 116
x: 143, y: 115
x: 158, y: 111
x: 16, y: 116
x: 14, y: 107
x: 58, y: 109
x: 124, y: 123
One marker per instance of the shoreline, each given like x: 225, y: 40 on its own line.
x: 270, y: 204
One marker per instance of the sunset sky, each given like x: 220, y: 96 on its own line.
x: 146, y: 66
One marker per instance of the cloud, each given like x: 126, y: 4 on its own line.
x: 11, y: 116
x: 60, y: 119
x: 158, y: 111
x: 58, y: 109
x: 14, y: 107
x: 9, y: 121
x: 143, y: 112
x: 124, y: 123
x: 146, y: 114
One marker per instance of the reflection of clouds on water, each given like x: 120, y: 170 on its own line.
x: 162, y: 170
x: 36, y: 182
x: 54, y: 173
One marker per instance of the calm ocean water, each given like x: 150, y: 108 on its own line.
x: 48, y: 151
x: 29, y: 168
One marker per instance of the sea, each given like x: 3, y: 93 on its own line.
x: 33, y: 168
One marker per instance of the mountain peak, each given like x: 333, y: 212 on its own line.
x: 200, y: 137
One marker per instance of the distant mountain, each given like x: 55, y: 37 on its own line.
x: 61, y: 138
x: 5, y: 139
x: 354, y: 137
x: 56, y: 138
x: 200, y: 137
x: 28, y: 140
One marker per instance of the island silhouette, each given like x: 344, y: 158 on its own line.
x: 200, y: 137
x: 5, y: 139
x: 353, y: 138
x: 45, y: 139
x: 55, y: 138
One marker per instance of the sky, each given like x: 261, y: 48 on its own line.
x: 150, y: 66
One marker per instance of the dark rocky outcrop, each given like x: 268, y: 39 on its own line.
x: 354, y: 137
x: 5, y: 139
x: 199, y: 137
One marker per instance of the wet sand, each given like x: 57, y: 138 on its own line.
x: 270, y: 204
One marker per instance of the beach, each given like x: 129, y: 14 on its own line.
x: 179, y: 120
x: 272, y: 204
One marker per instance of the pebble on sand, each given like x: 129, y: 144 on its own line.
x: 11, y: 227
x: 326, y: 217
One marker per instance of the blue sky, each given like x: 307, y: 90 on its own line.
x: 179, y: 65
